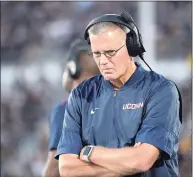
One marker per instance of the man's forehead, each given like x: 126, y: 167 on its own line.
x: 107, y: 40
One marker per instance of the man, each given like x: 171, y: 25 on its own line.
x: 126, y: 121
x: 80, y: 66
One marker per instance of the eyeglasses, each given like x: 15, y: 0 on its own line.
x: 108, y: 53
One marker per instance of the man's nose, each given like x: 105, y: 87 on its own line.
x: 103, y: 59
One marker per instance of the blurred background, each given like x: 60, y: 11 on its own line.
x: 35, y: 37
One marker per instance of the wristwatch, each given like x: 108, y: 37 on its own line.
x: 87, y: 153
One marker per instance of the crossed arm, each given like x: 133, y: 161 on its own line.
x: 51, y: 166
x: 107, y: 162
x: 70, y: 165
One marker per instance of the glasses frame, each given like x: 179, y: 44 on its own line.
x: 105, y: 52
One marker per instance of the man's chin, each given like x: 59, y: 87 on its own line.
x: 109, y: 77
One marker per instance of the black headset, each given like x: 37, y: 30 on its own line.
x: 134, y: 41
x: 77, y: 47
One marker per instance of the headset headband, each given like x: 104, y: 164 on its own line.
x: 78, y: 46
x: 124, y: 19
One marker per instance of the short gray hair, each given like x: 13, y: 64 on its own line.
x: 100, y: 27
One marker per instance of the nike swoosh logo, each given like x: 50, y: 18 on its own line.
x: 93, y: 111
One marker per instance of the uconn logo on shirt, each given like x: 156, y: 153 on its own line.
x: 132, y: 106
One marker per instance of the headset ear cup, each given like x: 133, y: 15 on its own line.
x: 74, y: 72
x: 130, y: 44
x: 132, y: 47
x: 71, y: 67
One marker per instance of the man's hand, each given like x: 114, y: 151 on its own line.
x: 71, y: 166
x: 137, y: 144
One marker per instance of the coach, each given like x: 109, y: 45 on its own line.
x: 126, y: 121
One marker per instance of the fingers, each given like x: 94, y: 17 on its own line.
x: 137, y: 144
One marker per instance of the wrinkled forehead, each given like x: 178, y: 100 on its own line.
x: 103, y: 27
x: 110, y: 38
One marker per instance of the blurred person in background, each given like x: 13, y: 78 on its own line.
x: 126, y: 121
x: 80, y: 66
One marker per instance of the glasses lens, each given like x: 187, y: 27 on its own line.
x: 110, y: 53
x: 96, y: 54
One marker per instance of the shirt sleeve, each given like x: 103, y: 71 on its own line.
x: 55, y: 125
x: 70, y: 140
x: 161, y: 123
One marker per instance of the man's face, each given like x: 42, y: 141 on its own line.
x: 112, y: 68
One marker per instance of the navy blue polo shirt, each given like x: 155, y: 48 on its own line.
x: 55, y: 125
x: 145, y: 109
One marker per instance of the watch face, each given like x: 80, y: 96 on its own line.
x: 87, y: 150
